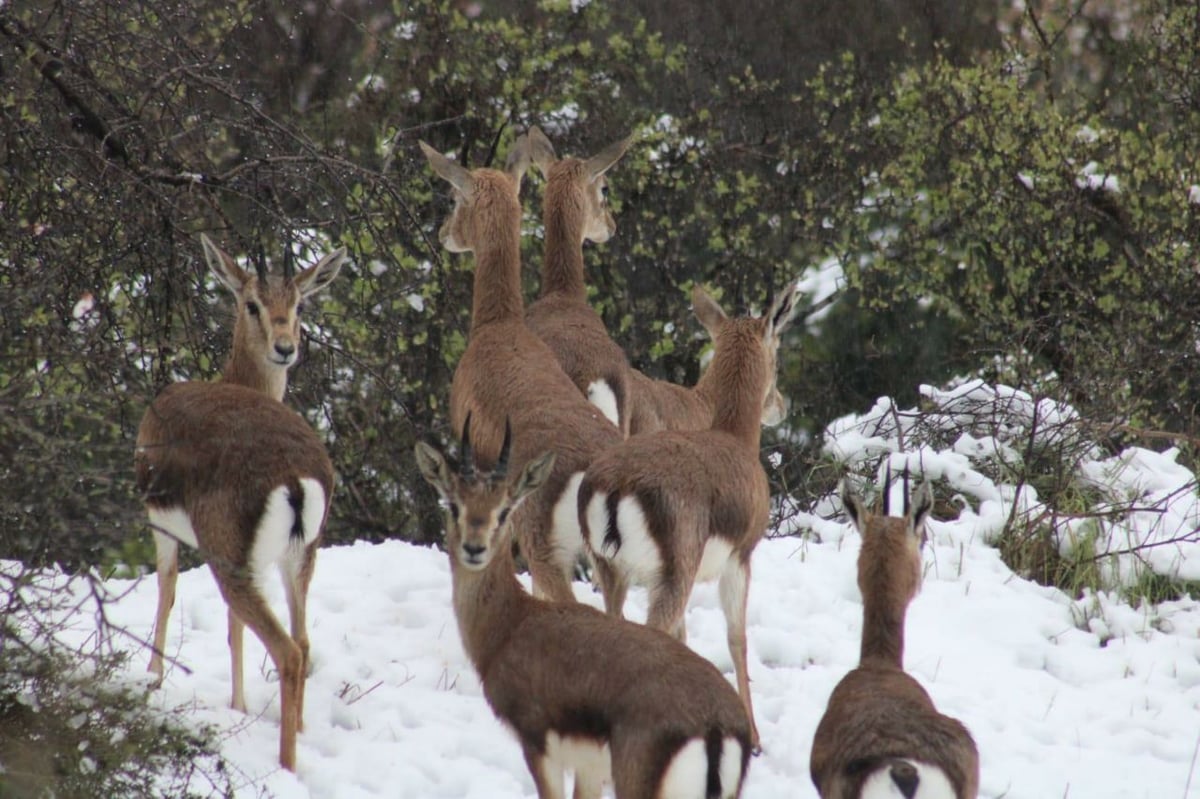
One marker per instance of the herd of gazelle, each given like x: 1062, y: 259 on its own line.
x: 578, y: 456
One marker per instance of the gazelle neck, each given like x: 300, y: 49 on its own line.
x: 562, y: 263
x: 735, y: 384
x: 245, y: 369
x: 497, y: 287
x: 487, y: 605
x: 883, y: 631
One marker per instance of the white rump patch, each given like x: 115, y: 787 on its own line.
x: 273, y: 538
x: 600, y: 394
x: 638, y: 558
x: 568, y: 537
x: 687, y: 775
x: 716, y: 554
x: 586, y: 757
x: 171, y: 526
x: 730, y: 769
x: 932, y: 783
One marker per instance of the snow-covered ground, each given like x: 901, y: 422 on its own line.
x: 1087, y: 698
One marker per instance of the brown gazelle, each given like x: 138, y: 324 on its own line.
x: 666, y: 509
x: 574, y: 210
x: 612, y: 701
x: 662, y: 405
x: 229, y: 469
x: 507, y: 372
x: 881, y: 735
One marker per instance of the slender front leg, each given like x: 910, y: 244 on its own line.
x: 547, y: 775
x: 734, y: 589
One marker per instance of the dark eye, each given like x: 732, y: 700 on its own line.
x: 252, y: 308
x: 604, y: 191
x: 454, y: 509
x: 300, y: 307
x: 502, y: 517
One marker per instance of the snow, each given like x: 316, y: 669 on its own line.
x: 1089, y: 697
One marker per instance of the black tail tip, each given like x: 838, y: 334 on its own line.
x: 904, y: 774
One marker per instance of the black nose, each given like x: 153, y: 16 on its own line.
x: 474, y: 550
x: 285, y: 350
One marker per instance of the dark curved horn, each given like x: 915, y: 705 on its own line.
x: 467, y: 467
x: 906, y: 500
x: 289, y: 260
x: 501, y: 470
x: 887, y: 487
x: 260, y: 264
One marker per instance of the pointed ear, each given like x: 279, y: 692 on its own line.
x: 922, y: 504
x: 854, y: 506
x: 532, y: 476
x: 232, y: 276
x: 518, y: 160
x: 783, y: 310
x: 602, y: 161
x: 541, y: 151
x: 321, y: 274
x: 457, y: 175
x: 434, y: 468
x: 707, y: 310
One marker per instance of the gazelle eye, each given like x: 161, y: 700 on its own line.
x: 454, y: 509
x: 252, y: 308
x: 604, y: 191
x: 502, y: 517
x: 300, y: 307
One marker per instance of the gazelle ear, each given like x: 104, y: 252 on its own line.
x: 321, y: 274
x: 518, y: 160
x: 783, y: 310
x: 532, y: 476
x: 854, y: 506
x: 221, y: 264
x: 922, y: 504
x: 434, y: 468
x: 707, y: 310
x: 456, y: 174
x: 602, y: 161
x: 541, y: 151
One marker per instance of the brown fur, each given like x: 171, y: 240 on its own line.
x: 508, y: 373
x: 879, y: 717
x: 645, y: 696
x: 694, y: 486
x: 575, y: 209
x: 215, y: 451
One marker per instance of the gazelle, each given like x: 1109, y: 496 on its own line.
x: 507, y: 372
x: 574, y: 210
x: 666, y: 509
x: 227, y: 468
x: 610, y: 700
x: 662, y: 405
x: 881, y: 735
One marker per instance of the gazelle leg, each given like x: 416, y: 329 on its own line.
x: 547, y: 775
x: 668, y: 606
x: 295, y: 584
x: 248, y: 606
x: 613, y: 585
x: 236, y: 639
x: 734, y: 588
x: 166, y: 566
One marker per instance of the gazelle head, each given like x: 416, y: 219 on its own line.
x: 889, y: 564
x: 478, y: 505
x: 478, y: 196
x: 267, y: 326
x: 768, y: 328
x: 578, y: 185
